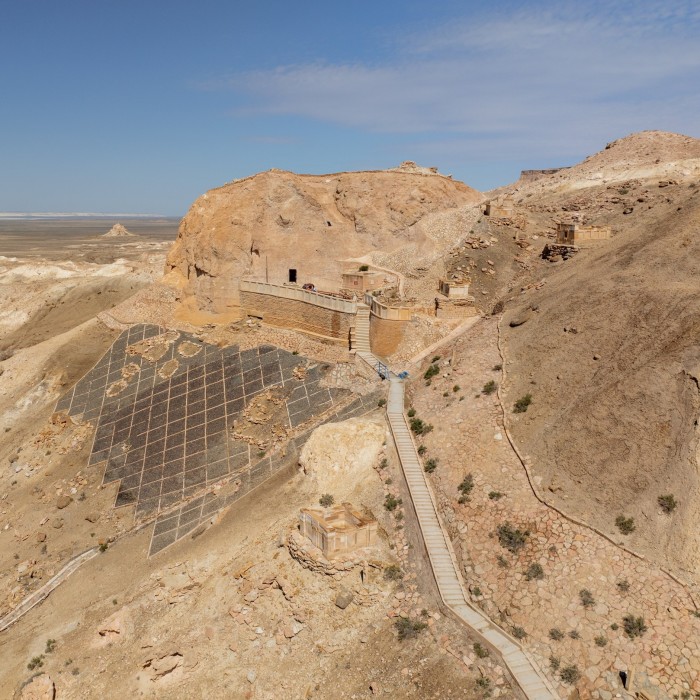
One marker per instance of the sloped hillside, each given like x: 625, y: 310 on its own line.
x: 610, y: 352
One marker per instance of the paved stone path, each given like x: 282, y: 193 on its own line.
x: 442, y: 559
x: 35, y: 598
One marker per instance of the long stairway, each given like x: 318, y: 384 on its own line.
x: 442, y: 558
x: 361, y: 334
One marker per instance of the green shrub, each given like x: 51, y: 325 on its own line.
x: 381, y: 403
x: 384, y: 463
x: 554, y: 662
x: 391, y: 503
x: 614, y: 627
x: 623, y: 586
x: 422, y: 449
x: 519, y: 633
x: 497, y: 368
x: 587, y: 599
x: 419, y: 427
x: 431, y: 372
x: 495, y: 495
x: 574, y: 634
x: 634, y: 626
x: 489, y: 387
x: 570, y: 674
x: 625, y: 525
x: 555, y: 634
x: 326, y: 500
x: 50, y: 646
x: 408, y: 628
x: 36, y: 662
x: 600, y: 640
x: 502, y: 561
x: 466, y: 485
x: 411, y: 412
x: 456, y: 388
x: 668, y: 503
x: 512, y: 539
x: 521, y: 405
x: 430, y: 465
x: 534, y: 572
x: 480, y: 651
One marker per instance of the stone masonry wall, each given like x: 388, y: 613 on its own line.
x: 385, y: 336
x: 298, y: 315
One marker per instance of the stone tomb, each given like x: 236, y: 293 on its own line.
x: 338, y: 529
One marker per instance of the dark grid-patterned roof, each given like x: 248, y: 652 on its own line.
x: 167, y: 440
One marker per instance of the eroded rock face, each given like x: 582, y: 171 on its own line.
x: 341, y: 456
x: 41, y: 687
x: 263, y: 226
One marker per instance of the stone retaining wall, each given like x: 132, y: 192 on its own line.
x: 385, y: 336
x: 300, y: 315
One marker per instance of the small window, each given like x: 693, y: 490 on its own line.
x: 292, y: 275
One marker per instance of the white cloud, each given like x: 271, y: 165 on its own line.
x: 522, y: 83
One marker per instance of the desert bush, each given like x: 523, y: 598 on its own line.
x: 419, y: 427
x: 668, y: 503
x: 512, y: 539
x: 587, y: 599
x: 489, y: 387
x: 634, y: 626
x: 556, y: 634
x: 411, y: 412
x: 502, y: 561
x: 570, y: 674
x: 521, y: 405
x: 381, y: 403
x: 50, y: 646
x: 393, y: 573
x: 495, y: 495
x: 600, y: 640
x: 534, y: 572
x: 326, y: 500
x: 408, y: 628
x: 574, y: 634
x: 625, y: 525
x: 36, y: 662
x: 391, y: 503
x: 623, y: 190
x: 422, y: 449
x: 480, y: 651
x: 384, y: 463
x: 614, y: 627
x: 364, y: 268
x: 466, y: 485
x: 431, y: 372
x: 430, y: 465
x: 554, y: 662
x: 497, y: 368
x: 456, y: 388
x: 623, y: 586
x: 436, y: 358
x: 519, y: 633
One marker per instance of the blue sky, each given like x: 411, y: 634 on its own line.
x: 118, y: 105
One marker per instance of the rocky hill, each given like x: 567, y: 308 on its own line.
x: 609, y: 348
x: 265, y: 225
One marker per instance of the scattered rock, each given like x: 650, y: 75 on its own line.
x: 344, y: 598
x: 251, y: 676
x: 41, y: 537
x: 39, y: 688
x: 57, y: 523
x: 63, y: 502
x: 520, y: 319
x: 92, y: 517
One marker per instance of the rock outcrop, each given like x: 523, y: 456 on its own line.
x: 263, y: 226
x: 119, y: 231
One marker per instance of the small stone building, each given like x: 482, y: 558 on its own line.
x: 338, y: 529
x: 572, y: 233
x: 500, y: 208
x: 364, y: 281
x: 454, y: 289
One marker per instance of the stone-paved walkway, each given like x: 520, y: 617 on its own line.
x: 469, y: 439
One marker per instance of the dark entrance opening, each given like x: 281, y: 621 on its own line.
x: 623, y: 678
x: 292, y: 275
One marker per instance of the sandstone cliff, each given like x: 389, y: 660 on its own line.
x: 265, y: 225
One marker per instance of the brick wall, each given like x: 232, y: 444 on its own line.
x: 385, y: 336
x: 298, y: 315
